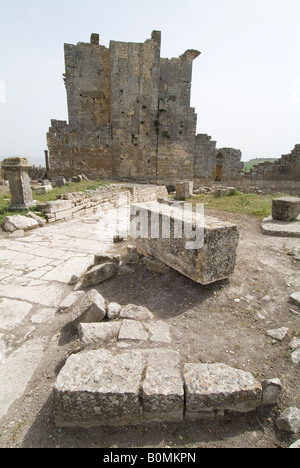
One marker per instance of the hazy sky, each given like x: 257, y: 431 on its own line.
x: 246, y: 82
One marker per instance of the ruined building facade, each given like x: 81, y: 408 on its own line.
x: 130, y: 118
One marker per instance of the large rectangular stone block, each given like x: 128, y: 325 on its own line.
x: 218, y: 387
x: 286, y: 208
x: 200, y: 247
x: 96, y: 388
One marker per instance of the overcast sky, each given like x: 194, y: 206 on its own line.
x: 246, y: 82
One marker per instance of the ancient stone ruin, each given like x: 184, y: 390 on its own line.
x: 130, y: 117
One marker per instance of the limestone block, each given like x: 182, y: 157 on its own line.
x: 286, y: 208
x: 37, y: 218
x: 99, y: 273
x: 162, y: 389
x: 132, y: 330
x: 57, y: 205
x: 98, y: 333
x: 134, y: 312
x: 184, y: 190
x: 295, y: 298
x: 289, y: 420
x: 271, y: 391
x: 219, y: 387
x: 87, y: 309
x: 199, y: 247
x: 19, y: 222
x: 96, y: 388
x: 43, y: 189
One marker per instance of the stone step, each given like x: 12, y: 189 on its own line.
x: 101, y: 387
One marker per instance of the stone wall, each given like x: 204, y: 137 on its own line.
x: 129, y: 116
x: 280, y: 176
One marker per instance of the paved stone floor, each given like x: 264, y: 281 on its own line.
x: 35, y: 271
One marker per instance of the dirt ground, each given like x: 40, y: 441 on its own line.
x: 223, y: 322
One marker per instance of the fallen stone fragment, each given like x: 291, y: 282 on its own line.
x: 132, y: 330
x: 278, y: 334
x: 289, y: 420
x: 211, y: 387
x: 101, y: 258
x: 98, y: 333
x: 155, y: 265
x: 132, y: 256
x: 296, y: 356
x: 295, y: 298
x: 295, y: 444
x: 98, y: 274
x: 271, y: 391
x: 87, y: 309
x: 39, y: 219
x: 96, y: 388
x: 19, y: 222
x: 113, y: 310
x: 295, y: 343
x: 135, y: 312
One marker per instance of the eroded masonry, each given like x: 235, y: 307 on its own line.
x: 130, y: 117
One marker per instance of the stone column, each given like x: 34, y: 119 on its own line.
x: 16, y: 172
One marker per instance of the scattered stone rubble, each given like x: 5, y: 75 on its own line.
x: 128, y: 372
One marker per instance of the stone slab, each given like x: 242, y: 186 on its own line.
x: 19, y: 222
x: 272, y: 227
x: 132, y: 330
x: 220, y: 387
x: 87, y: 309
x: 98, y: 333
x: 56, y: 206
x: 12, y: 313
x: 135, y: 312
x: 99, y: 273
x: 98, y: 388
x: 204, y: 250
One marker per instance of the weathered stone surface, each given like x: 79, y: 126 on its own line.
x: 97, y: 388
x: 113, y: 310
x: 19, y: 222
x: 87, y: 309
x: 39, y: 219
x: 101, y: 258
x: 43, y: 189
x: 219, y: 387
x: 159, y: 331
x: 286, y: 208
x: 162, y: 388
x: 206, y: 254
x: 295, y: 444
x: 273, y: 227
x: 132, y: 330
x: 134, y: 312
x: 271, y: 391
x: 184, y: 190
x: 16, y: 171
x: 278, y: 334
x: 99, y: 273
x: 57, y: 206
x: 296, y: 356
x: 155, y: 265
x: 289, y: 420
x: 295, y: 298
x: 98, y: 333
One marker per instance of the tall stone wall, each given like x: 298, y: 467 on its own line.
x: 130, y: 116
